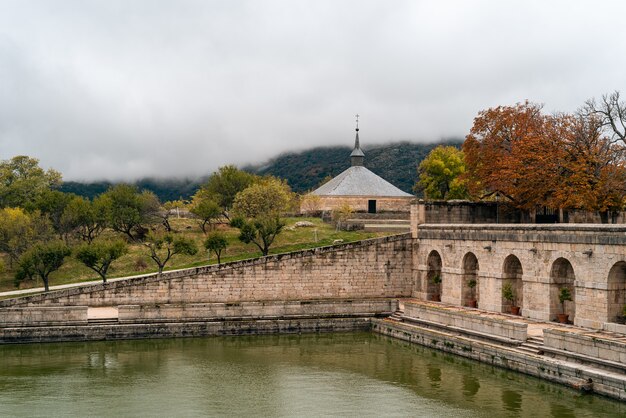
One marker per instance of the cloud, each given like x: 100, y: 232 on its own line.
x: 123, y: 90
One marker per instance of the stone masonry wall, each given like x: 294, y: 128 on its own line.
x: 377, y: 268
x: 360, y: 203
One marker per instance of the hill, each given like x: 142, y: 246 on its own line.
x: 395, y: 162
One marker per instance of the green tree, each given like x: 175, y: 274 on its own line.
x: 99, y: 255
x: 206, y: 209
x: 224, y: 185
x: 163, y: 246
x: 216, y: 242
x: 52, y: 203
x: 41, y: 260
x: 258, y: 209
x: 85, y: 218
x: 19, y: 230
x: 440, y: 174
x: 130, y: 211
x: 22, y: 181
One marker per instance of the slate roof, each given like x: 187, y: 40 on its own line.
x: 359, y: 181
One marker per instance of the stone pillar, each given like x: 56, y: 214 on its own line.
x: 418, y: 216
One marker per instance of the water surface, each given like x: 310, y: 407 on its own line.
x: 358, y: 374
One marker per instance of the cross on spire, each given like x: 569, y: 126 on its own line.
x: 357, y: 121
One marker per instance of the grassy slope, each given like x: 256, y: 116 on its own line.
x: 289, y: 240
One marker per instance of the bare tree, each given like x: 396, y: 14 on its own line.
x: 612, y: 113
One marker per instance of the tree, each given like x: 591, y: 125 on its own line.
x: 86, y: 218
x: 261, y: 231
x: 594, y: 170
x: 22, y: 181
x: 41, y: 260
x: 52, y: 203
x: 518, y: 152
x: 611, y: 112
x: 19, y: 230
x: 163, y: 246
x: 341, y: 214
x: 130, y: 211
x: 216, y: 242
x: 440, y: 174
x: 258, y: 209
x: 98, y: 256
x: 205, y: 209
x: 224, y: 185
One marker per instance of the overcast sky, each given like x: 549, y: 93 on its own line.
x: 128, y: 89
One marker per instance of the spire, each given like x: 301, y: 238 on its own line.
x: 357, y: 156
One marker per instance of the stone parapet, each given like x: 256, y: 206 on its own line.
x: 586, y: 344
x: 467, y: 320
x: 552, y: 233
x: 255, y: 310
x: 39, y: 316
x: 376, y: 268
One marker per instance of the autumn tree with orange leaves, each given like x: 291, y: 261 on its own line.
x: 538, y: 160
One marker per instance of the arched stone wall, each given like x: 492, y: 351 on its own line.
x: 562, y: 277
x: 512, y: 273
x: 470, y: 294
x: 616, y: 292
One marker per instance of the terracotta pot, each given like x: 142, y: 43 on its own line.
x: 515, y: 310
x: 472, y: 303
x: 563, y: 318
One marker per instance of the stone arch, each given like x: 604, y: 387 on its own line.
x: 433, y: 276
x: 562, y: 276
x: 616, y: 292
x: 512, y: 273
x: 470, y: 293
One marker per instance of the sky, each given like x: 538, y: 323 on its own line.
x: 122, y: 90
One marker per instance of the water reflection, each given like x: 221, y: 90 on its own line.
x: 330, y: 374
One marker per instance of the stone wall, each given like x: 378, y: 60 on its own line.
x: 479, y: 322
x: 39, y: 316
x: 254, y: 310
x: 377, y: 268
x: 360, y: 203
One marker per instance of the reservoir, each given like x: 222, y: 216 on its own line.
x: 355, y: 374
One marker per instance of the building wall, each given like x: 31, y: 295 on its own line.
x: 360, y: 203
x: 378, y: 268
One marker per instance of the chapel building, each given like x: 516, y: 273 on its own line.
x: 363, y: 190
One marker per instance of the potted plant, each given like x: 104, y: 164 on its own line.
x: 436, y: 279
x: 509, y: 294
x: 564, y: 295
x: 472, y: 303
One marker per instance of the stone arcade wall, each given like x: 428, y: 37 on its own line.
x: 360, y: 203
x: 592, y: 250
x: 377, y: 268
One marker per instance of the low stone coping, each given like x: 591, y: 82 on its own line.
x: 474, y: 321
x: 586, y: 343
x: 255, y: 310
x: 39, y: 316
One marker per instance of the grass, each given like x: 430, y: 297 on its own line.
x: 137, y: 261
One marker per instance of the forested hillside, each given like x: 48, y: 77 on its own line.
x: 396, y: 162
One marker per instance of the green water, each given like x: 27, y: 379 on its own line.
x: 357, y: 374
